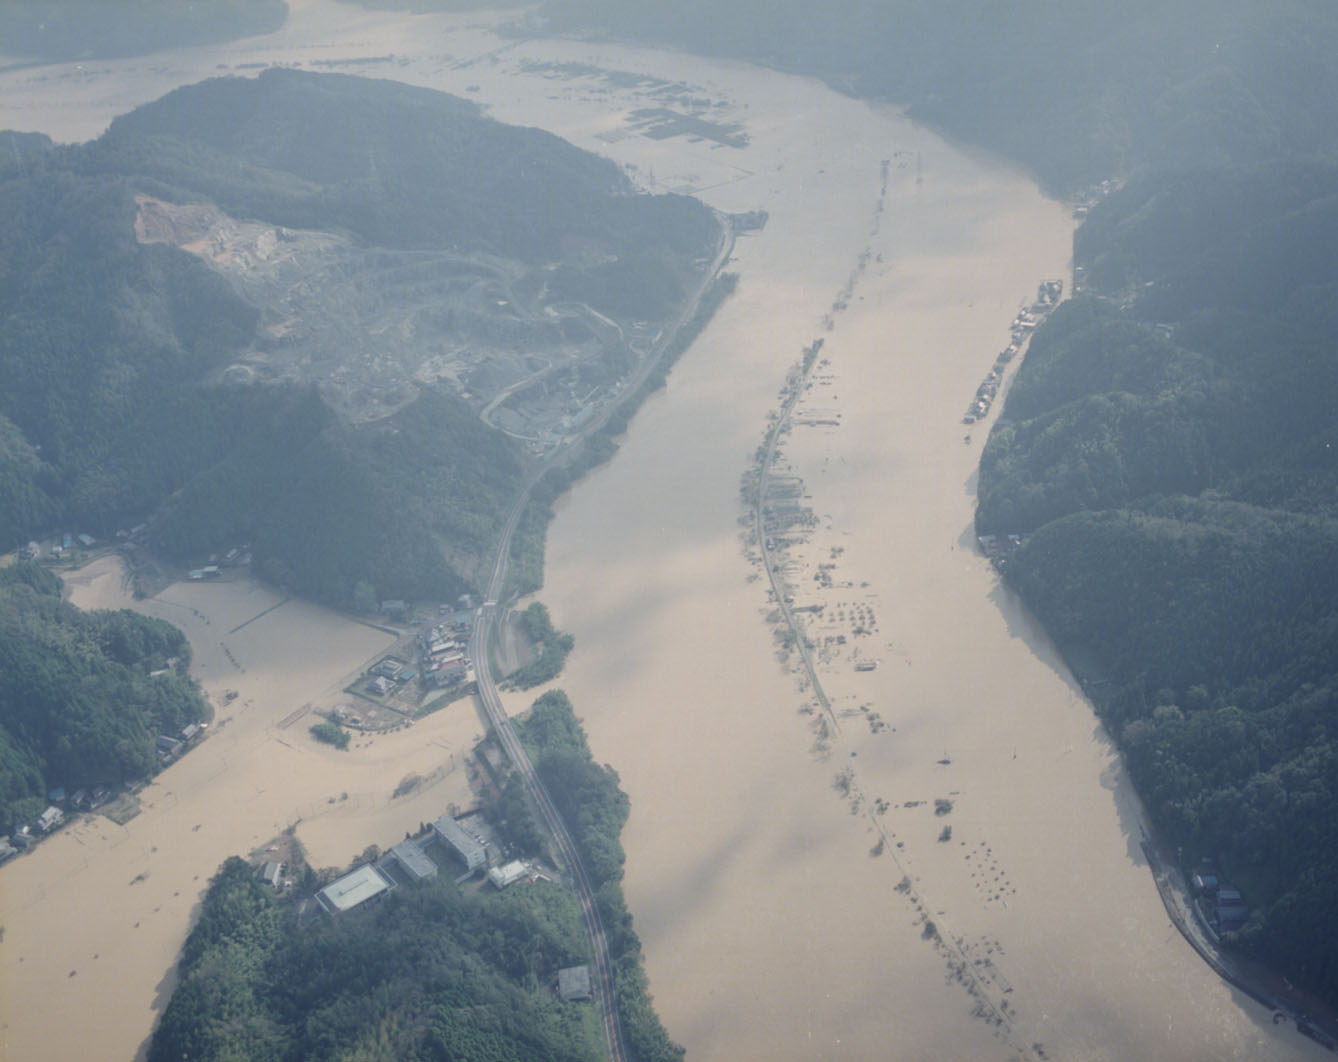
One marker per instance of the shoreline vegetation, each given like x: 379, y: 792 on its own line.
x: 88, y: 701
x: 551, y: 644
x: 595, y: 808
x: 525, y: 575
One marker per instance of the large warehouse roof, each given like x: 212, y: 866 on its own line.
x: 355, y: 888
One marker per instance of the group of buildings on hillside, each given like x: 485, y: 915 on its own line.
x: 470, y: 842
x: 450, y: 840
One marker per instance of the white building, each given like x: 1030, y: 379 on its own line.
x: 355, y: 888
x: 509, y: 874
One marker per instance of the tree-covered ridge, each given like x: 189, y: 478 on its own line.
x: 1169, y: 451
x: 1107, y: 411
x: 100, y: 348
x: 398, y: 166
x: 88, y: 29
x: 114, y: 351
x: 429, y: 973
x: 328, y: 505
x: 80, y: 702
x: 1218, y: 373
x: 595, y: 809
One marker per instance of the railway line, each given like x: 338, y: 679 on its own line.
x: 485, y: 628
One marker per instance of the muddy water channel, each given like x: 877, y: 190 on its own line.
x: 790, y: 865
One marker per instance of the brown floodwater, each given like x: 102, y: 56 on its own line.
x: 95, y: 917
x: 781, y: 880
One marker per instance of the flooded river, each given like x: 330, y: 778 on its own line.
x: 793, y: 879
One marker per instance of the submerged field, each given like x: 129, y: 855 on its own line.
x: 777, y: 919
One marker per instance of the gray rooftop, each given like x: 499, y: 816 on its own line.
x: 471, y: 850
x: 574, y: 982
x: 416, y: 863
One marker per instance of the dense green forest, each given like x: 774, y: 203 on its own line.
x: 551, y: 646
x: 93, y: 29
x: 107, y: 344
x: 396, y: 165
x: 429, y: 973
x: 1169, y: 450
x: 78, y: 705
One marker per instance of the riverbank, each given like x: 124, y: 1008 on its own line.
x: 806, y: 867
x: 770, y: 915
x: 1312, y: 1017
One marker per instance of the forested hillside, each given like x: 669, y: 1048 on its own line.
x: 429, y: 973
x: 432, y: 971
x: 78, y: 705
x: 1170, y: 451
x: 113, y: 350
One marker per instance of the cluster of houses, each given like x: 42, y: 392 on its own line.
x: 443, y: 651
x: 999, y: 548
x: 170, y: 746
x: 237, y: 557
x: 1047, y: 297
x: 1220, y: 906
x: 67, y: 543
x: 25, y: 835
x: 388, y: 673
x: 443, y: 656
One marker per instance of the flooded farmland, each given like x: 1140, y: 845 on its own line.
x: 786, y: 862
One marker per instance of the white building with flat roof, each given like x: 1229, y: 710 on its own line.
x: 508, y: 874
x: 355, y: 888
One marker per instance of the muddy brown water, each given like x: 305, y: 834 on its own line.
x: 782, y: 881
